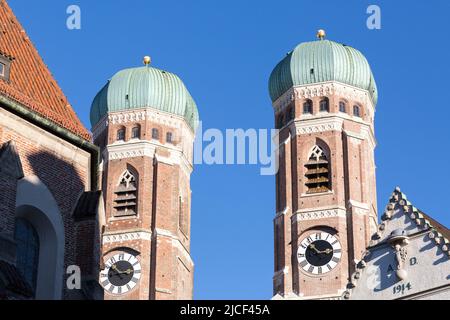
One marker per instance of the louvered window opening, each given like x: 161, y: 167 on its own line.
x: 318, y: 172
x: 125, y: 203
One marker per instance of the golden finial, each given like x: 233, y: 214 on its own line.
x: 147, y: 60
x: 321, y: 34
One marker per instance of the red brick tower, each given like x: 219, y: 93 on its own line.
x: 144, y: 122
x: 324, y: 98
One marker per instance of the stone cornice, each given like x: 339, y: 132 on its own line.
x: 126, y: 236
x: 317, y: 125
x: 324, y: 89
x: 145, y: 114
x: 303, y: 215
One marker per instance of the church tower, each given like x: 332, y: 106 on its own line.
x: 144, y: 122
x: 324, y: 97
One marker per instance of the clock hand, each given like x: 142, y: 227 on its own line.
x: 312, y: 246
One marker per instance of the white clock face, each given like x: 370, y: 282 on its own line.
x: 319, y: 253
x: 121, y: 274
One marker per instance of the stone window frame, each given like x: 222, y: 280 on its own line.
x: 357, y: 111
x: 126, y: 195
x: 324, y: 105
x: 134, y: 135
x: 342, y: 106
x: 170, y: 137
x: 155, y: 134
x: 121, y: 134
x: 318, y: 171
x: 307, y: 107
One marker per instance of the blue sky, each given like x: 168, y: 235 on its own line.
x: 224, y: 51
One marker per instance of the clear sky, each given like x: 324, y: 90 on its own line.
x: 224, y: 51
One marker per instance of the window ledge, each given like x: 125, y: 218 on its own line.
x: 307, y: 195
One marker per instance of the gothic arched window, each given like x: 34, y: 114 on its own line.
x: 318, y: 172
x: 324, y: 105
x: 136, y: 132
x: 169, y: 137
x: 356, y: 111
x: 27, y: 241
x: 155, y: 134
x: 307, y: 107
x: 342, y: 107
x: 121, y: 134
x: 125, y: 203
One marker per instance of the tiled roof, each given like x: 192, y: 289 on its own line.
x: 31, y: 83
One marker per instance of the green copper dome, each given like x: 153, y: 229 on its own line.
x: 144, y: 87
x: 321, y: 61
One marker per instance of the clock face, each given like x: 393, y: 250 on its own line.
x: 121, y: 274
x: 319, y: 253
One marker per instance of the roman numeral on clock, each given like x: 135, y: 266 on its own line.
x: 304, y: 263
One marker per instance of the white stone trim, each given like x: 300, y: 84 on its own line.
x: 143, y: 114
x: 126, y: 236
x: 125, y: 150
x: 308, y: 214
x: 316, y: 125
x: 325, y: 89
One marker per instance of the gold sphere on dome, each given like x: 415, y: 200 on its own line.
x: 147, y: 60
x: 321, y: 34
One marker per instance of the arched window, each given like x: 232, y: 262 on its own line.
x: 307, y: 107
x: 318, y: 172
x: 342, y: 107
x: 155, y: 134
x: 136, y: 132
x: 121, y: 134
x: 356, y: 111
x: 324, y: 105
x: 125, y: 203
x: 27, y: 250
x: 169, y: 137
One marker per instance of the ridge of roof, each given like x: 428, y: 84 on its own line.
x: 31, y: 83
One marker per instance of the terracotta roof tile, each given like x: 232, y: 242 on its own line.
x: 31, y: 83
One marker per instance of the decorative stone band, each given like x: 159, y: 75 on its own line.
x: 325, y: 89
x: 126, y: 236
x: 303, y: 215
x: 149, y: 114
x: 318, y: 125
